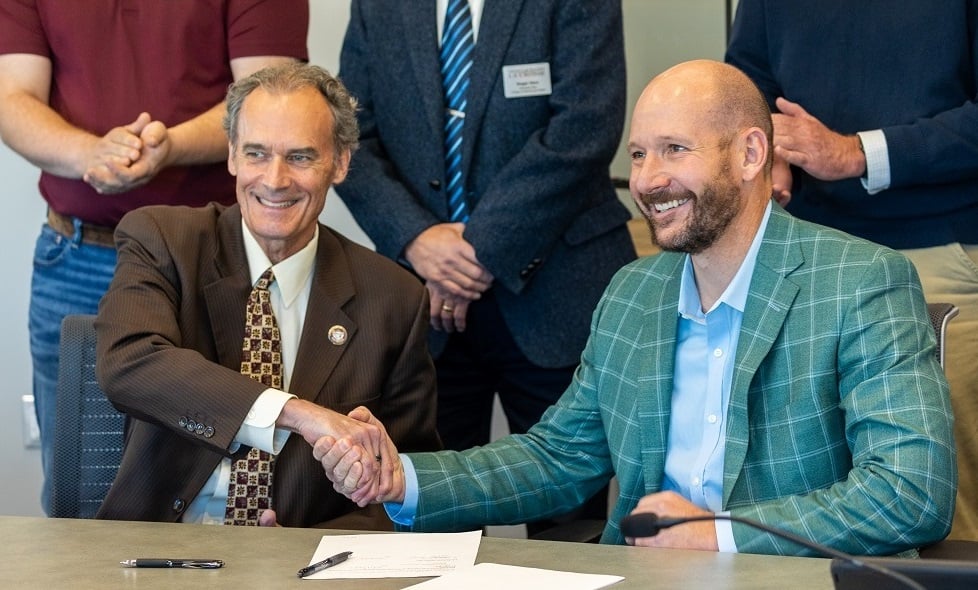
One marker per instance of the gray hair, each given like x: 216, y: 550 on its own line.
x: 290, y: 78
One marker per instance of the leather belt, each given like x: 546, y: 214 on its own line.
x: 97, y: 235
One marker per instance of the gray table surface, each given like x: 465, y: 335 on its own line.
x: 85, y: 554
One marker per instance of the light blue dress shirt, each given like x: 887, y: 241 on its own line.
x: 706, y: 348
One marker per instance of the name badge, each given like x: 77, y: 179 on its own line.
x: 524, y: 80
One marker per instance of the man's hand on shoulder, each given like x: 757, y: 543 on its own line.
x: 803, y: 141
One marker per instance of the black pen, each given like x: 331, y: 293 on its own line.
x: 197, y: 564
x: 321, y: 565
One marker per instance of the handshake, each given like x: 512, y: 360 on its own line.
x: 356, y: 453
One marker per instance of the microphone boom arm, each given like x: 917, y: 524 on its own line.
x: 648, y: 524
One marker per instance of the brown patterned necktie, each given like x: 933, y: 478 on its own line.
x: 250, y: 489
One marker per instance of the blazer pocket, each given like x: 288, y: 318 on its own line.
x: 597, y: 221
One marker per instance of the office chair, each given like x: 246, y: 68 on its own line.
x: 89, y: 435
x: 940, y: 315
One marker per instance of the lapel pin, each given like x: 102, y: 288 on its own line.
x: 337, y: 335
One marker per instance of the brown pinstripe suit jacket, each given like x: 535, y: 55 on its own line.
x: 169, y: 339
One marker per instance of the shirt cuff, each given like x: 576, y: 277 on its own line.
x: 725, y: 538
x: 404, y: 513
x: 877, y: 176
x: 258, y: 430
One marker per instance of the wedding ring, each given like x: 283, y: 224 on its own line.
x: 446, y: 307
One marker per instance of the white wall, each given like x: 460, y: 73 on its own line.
x: 23, y: 214
x: 658, y: 33
x: 328, y: 20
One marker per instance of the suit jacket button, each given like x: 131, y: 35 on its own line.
x: 191, y: 425
x: 199, y: 429
x: 183, y: 422
x: 435, y: 184
x: 536, y: 261
x: 179, y: 505
x: 524, y: 273
x: 209, y: 432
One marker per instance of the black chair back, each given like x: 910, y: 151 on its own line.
x: 89, y: 435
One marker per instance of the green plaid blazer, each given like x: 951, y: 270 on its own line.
x: 839, y: 421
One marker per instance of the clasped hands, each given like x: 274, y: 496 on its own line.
x: 354, y: 449
x: 128, y: 156
x: 453, y: 274
x: 352, y: 464
x: 364, y: 473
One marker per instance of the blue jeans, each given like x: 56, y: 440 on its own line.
x: 69, y: 277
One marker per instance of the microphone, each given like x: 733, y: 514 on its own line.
x: 648, y: 524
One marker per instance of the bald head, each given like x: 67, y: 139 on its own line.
x: 701, y: 159
x: 718, y: 95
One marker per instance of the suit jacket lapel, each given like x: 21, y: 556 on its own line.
x: 227, y: 293
x: 332, y: 288
x: 421, y: 36
x: 771, y: 296
x: 499, y: 18
x: 655, y: 368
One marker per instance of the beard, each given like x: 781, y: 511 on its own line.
x: 713, y: 211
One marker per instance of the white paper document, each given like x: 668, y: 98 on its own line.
x: 397, y: 555
x: 493, y: 576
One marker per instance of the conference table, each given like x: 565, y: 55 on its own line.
x: 52, y: 553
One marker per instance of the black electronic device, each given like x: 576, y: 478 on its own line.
x: 933, y: 574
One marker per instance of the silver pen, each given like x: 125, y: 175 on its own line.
x: 197, y: 564
x: 321, y: 565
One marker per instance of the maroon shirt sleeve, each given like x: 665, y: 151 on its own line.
x: 113, y: 59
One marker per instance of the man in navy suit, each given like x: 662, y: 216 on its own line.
x: 513, y: 281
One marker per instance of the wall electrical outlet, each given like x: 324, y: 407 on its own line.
x: 32, y: 434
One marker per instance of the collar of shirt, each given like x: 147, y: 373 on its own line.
x: 289, y: 293
x: 291, y: 275
x: 735, y: 295
x: 475, y: 8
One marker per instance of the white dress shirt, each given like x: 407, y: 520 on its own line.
x: 475, y: 8
x: 877, y: 152
x: 289, y: 298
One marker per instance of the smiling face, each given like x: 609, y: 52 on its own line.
x: 681, y: 172
x: 692, y: 167
x: 284, y: 163
x: 684, y: 221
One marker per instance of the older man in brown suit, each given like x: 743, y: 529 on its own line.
x: 349, y: 326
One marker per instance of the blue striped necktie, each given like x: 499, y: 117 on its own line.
x: 456, y: 61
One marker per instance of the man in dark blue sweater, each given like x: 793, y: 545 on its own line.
x: 876, y: 133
